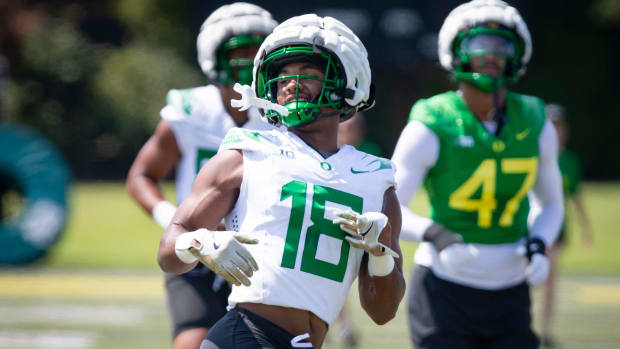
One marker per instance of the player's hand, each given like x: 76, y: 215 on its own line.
x: 453, y: 252
x: 364, y: 231
x: 220, y: 251
x: 537, y: 270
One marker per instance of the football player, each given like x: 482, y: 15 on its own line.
x: 193, y: 124
x: 479, y: 150
x: 304, y: 217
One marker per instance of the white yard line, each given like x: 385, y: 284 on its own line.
x: 71, y: 314
x: 46, y: 339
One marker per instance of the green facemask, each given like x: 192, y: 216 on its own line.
x: 300, y: 112
x: 238, y: 70
x: 481, y: 41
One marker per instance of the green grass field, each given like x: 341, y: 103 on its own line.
x: 100, y: 286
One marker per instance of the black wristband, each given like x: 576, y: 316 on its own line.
x: 441, y: 237
x: 534, y: 246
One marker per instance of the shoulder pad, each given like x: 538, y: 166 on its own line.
x: 367, y: 164
x: 197, y: 103
x: 252, y: 140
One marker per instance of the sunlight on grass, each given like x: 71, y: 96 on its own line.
x: 107, y: 258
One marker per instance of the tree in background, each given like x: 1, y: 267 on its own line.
x: 93, y: 83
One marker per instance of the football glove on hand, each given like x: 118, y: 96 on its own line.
x: 453, y: 252
x: 538, y: 268
x: 364, y: 231
x: 220, y: 251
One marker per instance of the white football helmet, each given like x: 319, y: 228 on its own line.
x: 228, y: 21
x: 493, y: 15
x: 328, y: 43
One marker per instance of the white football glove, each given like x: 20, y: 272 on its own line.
x: 221, y: 251
x: 364, y: 230
x: 453, y: 252
x: 537, y: 270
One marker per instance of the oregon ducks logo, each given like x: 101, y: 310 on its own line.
x: 326, y: 166
x: 499, y: 146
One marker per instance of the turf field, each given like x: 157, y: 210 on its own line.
x: 100, y: 286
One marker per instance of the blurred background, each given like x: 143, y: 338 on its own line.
x: 90, y: 77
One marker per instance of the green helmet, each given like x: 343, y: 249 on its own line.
x: 226, y: 67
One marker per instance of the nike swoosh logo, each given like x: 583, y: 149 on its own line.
x: 215, y: 246
x: 383, y: 164
x: 521, y: 135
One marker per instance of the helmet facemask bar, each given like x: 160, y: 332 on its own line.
x: 484, y: 82
x: 302, y: 112
x: 238, y: 69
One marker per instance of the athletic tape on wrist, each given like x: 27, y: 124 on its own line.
x: 380, y: 265
x: 181, y: 248
x: 163, y: 213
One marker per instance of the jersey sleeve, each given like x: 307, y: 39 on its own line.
x: 389, y: 175
x: 548, y: 189
x: 178, y: 106
x: 176, y: 113
x: 416, y: 152
x: 196, y: 116
x: 421, y: 112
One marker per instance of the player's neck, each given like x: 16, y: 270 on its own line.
x: 321, y: 134
x: 480, y: 103
x: 239, y: 117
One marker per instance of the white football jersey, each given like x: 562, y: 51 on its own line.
x: 199, y: 122
x: 286, y: 201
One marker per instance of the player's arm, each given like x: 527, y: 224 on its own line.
x: 416, y: 152
x: 213, y: 196
x: 548, y: 201
x: 548, y: 189
x: 154, y: 161
x: 586, y: 228
x: 381, y: 294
